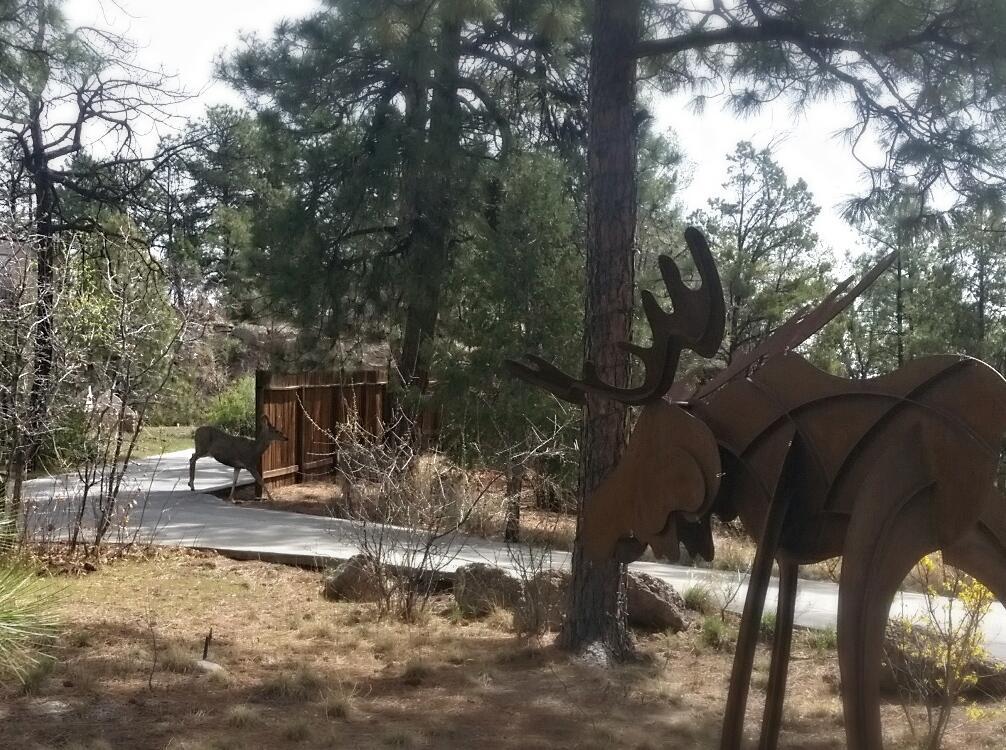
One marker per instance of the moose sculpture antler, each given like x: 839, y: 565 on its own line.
x: 880, y: 471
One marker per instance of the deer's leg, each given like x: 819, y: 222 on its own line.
x: 891, y: 529
x: 234, y: 484
x: 776, y: 692
x: 747, y: 636
x: 258, y: 478
x: 192, y: 470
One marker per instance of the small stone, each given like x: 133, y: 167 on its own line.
x: 52, y: 708
x: 209, y: 667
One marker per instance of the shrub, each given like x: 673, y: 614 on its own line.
x: 233, y: 409
x: 766, y: 629
x: 714, y: 632
x: 823, y: 640
x: 698, y: 599
x: 27, y: 623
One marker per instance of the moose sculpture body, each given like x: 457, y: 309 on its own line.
x: 880, y: 471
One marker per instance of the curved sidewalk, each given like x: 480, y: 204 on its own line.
x: 160, y: 509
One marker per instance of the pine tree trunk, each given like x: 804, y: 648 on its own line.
x: 596, y: 618
x: 435, y: 203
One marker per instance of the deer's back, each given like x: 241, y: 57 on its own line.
x: 226, y: 448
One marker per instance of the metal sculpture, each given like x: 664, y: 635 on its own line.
x: 880, y: 471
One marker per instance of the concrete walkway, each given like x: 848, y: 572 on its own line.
x: 158, y: 508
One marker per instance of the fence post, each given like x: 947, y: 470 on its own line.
x: 262, y: 378
x: 298, y: 447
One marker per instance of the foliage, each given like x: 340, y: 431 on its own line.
x: 714, y: 632
x: 699, y: 599
x: 934, y: 662
x: 768, y: 256
x: 27, y: 622
x: 233, y: 410
x: 517, y: 289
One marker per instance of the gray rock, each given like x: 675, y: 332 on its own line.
x: 654, y: 605
x: 209, y: 667
x: 51, y: 708
x: 478, y: 588
x: 356, y: 579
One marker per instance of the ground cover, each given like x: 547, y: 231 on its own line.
x: 302, y: 672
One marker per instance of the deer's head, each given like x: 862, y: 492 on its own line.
x: 267, y: 433
x: 670, y: 471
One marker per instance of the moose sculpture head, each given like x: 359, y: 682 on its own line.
x: 669, y: 475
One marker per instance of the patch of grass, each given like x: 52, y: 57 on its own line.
x: 823, y: 640
x: 174, y: 659
x: 33, y: 677
x: 714, y: 632
x: 698, y: 598
x: 242, y: 715
x: 79, y: 639
x: 153, y: 441
x: 338, y: 703
x: 415, y: 672
x: 766, y: 628
x: 297, y: 731
x: 398, y: 738
x: 81, y: 676
x: 299, y: 686
x: 27, y: 622
x: 95, y: 744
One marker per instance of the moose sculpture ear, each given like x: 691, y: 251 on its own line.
x: 670, y: 467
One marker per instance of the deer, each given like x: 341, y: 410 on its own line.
x: 234, y: 451
x: 879, y: 471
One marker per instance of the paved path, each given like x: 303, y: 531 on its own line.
x: 160, y: 509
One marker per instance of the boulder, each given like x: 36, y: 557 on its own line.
x: 478, y: 588
x: 654, y: 605
x: 356, y: 579
x: 542, y: 603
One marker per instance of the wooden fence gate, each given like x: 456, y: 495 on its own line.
x: 305, y: 406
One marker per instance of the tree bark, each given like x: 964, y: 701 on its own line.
x: 436, y: 205
x: 596, y: 619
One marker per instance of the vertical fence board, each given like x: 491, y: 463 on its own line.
x: 305, y: 406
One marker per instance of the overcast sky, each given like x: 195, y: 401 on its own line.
x: 184, y: 37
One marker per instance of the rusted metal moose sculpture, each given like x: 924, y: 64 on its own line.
x: 880, y: 471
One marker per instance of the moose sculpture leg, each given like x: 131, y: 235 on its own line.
x: 982, y: 553
x: 781, y: 644
x: 754, y: 604
x: 889, y: 532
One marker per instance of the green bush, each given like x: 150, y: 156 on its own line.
x: 233, y: 409
x: 714, y: 632
x: 698, y: 599
x: 27, y: 622
x: 823, y: 640
x: 766, y: 629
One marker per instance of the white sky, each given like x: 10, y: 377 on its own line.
x: 184, y: 37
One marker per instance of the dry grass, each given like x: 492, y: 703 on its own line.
x: 329, y: 498
x: 307, y: 673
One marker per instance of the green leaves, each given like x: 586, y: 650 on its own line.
x: 27, y: 619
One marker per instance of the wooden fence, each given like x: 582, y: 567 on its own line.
x: 307, y: 406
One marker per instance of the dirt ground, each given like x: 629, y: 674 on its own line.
x: 306, y: 673
x: 327, y: 498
